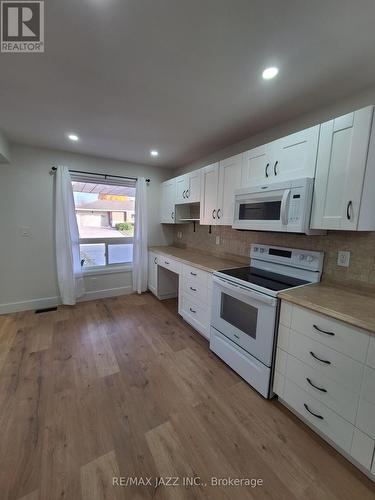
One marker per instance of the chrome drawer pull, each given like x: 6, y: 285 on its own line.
x: 194, y: 289
x: 323, y: 331
x: 312, y: 413
x: 315, y: 386
x: 165, y: 262
x: 237, y: 336
x: 193, y: 274
x: 322, y: 360
x: 192, y: 310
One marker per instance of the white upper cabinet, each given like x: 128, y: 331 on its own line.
x: 218, y: 184
x: 295, y: 155
x: 257, y: 164
x: 288, y: 158
x: 188, y: 187
x: 345, y: 175
x: 209, y: 192
x: 168, y: 200
x: 229, y: 180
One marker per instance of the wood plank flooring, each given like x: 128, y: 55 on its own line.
x: 123, y: 388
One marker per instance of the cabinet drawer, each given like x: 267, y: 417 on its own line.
x: 195, y: 288
x: 315, y: 412
x: 362, y: 448
x: 366, y: 410
x: 371, y: 352
x: 196, y: 314
x: 342, y: 369
x: 173, y: 265
x: 195, y: 275
x: 343, y: 338
x: 326, y: 390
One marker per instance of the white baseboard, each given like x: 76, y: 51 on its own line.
x: 29, y: 305
x: 45, y: 302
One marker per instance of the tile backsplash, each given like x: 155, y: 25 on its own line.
x: 233, y: 243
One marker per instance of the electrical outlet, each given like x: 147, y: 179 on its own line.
x: 343, y: 259
x: 217, y: 240
x: 179, y: 235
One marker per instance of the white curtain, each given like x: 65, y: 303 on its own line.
x: 140, y: 249
x: 68, y: 261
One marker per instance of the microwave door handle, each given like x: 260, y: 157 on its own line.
x: 285, y: 207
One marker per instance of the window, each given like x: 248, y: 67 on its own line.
x: 105, y: 217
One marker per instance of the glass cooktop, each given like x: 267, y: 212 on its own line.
x: 266, y: 279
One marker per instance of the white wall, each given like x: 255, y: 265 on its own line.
x: 320, y: 115
x: 27, y: 264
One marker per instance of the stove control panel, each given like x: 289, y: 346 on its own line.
x: 304, y: 259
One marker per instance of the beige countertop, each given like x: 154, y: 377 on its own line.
x: 204, y: 261
x: 351, y: 305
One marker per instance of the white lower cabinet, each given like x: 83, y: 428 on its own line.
x: 328, y: 379
x: 326, y: 420
x: 168, y: 277
x: 362, y: 448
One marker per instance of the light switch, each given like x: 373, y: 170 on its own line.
x: 343, y: 259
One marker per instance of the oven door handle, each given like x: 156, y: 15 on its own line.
x: 260, y: 297
x: 285, y: 207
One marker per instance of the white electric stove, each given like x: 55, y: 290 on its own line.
x: 245, y: 308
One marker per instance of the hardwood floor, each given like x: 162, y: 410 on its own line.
x: 123, y: 388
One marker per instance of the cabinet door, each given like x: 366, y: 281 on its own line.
x: 194, y: 186
x: 229, y: 180
x: 208, y: 205
x: 294, y: 156
x: 341, y: 165
x: 152, y: 272
x: 168, y: 194
x: 257, y: 163
x: 182, y: 186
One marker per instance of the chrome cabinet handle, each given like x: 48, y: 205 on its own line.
x: 323, y: 331
x: 312, y: 413
x: 213, y: 213
x: 192, y: 310
x: 187, y: 193
x: 193, y: 274
x: 315, y: 386
x: 155, y: 260
x: 194, y: 289
x: 165, y: 262
x: 325, y: 361
x: 218, y: 213
x: 275, y: 167
x: 172, y: 215
x: 266, y: 170
x: 349, y: 206
x: 237, y: 336
x: 183, y: 194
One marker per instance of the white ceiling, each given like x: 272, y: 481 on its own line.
x: 181, y: 76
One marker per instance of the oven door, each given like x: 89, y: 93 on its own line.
x: 246, y: 317
x: 264, y: 211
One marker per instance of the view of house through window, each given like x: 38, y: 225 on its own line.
x: 105, y: 217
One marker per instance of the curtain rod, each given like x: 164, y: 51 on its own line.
x: 106, y: 176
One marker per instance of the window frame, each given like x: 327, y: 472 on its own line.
x: 121, y: 240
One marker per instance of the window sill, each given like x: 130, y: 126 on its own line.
x: 108, y: 270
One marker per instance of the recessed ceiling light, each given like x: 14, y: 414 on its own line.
x: 73, y: 137
x: 270, y: 73
x: 153, y: 152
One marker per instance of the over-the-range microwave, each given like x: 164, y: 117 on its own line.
x: 283, y: 206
